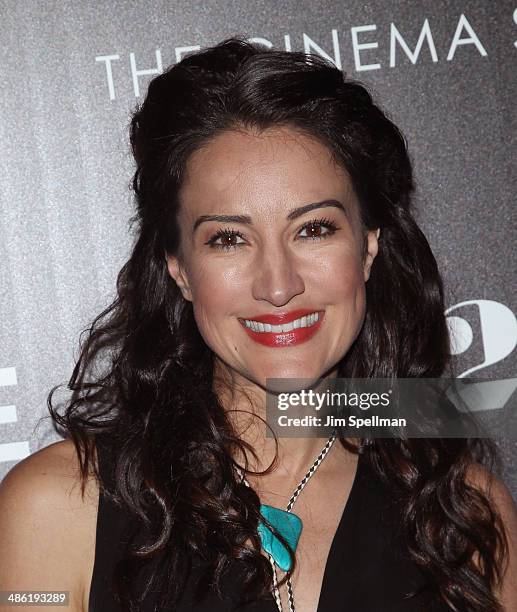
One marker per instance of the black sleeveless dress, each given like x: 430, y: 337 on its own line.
x: 367, y: 570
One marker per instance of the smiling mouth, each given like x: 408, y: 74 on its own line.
x: 302, y: 322
x: 284, y: 335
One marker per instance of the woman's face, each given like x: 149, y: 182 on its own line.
x: 270, y: 233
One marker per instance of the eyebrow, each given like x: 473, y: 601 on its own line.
x: 297, y: 212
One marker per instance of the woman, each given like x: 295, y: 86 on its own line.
x: 270, y: 190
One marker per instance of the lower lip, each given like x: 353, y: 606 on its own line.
x: 282, y: 339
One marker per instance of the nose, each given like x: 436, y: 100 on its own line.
x: 277, y: 277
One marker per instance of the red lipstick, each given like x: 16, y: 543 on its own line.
x: 282, y: 339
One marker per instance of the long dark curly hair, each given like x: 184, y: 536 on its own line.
x: 143, y: 383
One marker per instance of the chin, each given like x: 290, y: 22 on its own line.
x: 289, y: 379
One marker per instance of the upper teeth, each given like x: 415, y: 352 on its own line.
x: 306, y: 321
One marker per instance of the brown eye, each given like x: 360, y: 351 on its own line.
x: 225, y: 239
x: 318, y: 229
x: 314, y: 230
x: 228, y: 240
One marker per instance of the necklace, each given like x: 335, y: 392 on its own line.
x: 285, y: 522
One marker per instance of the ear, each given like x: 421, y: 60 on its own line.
x: 372, y: 247
x: 178, y: 273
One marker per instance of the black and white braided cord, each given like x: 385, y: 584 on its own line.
x: 294, y: 496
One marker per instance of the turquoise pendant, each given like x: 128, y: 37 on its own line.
x: 286, y: 523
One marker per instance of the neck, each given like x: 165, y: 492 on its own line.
x: 245, y: 404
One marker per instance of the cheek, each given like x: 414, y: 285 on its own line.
x: 215, y: 293
x: 340, y: 284
x: 346, y: 296
x: 339, y: 276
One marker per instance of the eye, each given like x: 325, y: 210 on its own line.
x: 227, y: 237
x: 315, y: 226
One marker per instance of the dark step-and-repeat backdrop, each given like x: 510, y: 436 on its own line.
x: 72, y: 71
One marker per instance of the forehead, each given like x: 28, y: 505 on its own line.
x: 243, y: 166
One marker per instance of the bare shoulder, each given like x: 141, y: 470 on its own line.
x: 49, y: 475
x: 504, y: 504
x: 47, y: 526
